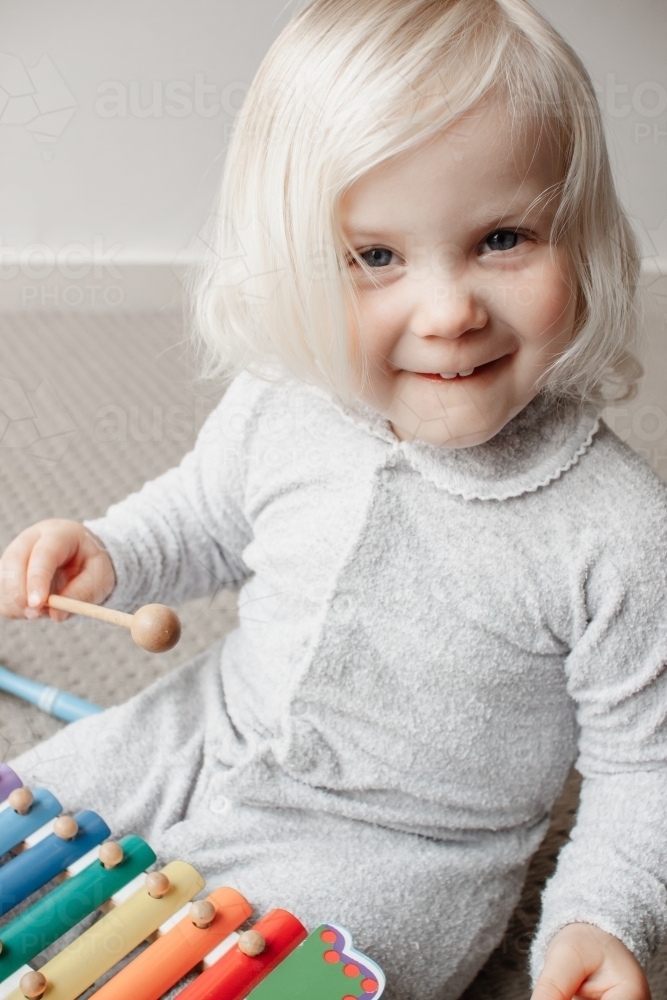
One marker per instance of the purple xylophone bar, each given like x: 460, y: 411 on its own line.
x: 9, y: 780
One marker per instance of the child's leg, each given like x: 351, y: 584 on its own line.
x: 429, y: 912
x: 137, y: 764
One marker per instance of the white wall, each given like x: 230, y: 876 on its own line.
x: 623, y: 44
x: 115, y: 132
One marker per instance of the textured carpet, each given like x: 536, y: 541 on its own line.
x: 92, y: 405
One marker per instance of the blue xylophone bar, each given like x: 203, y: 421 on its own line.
x: 32, y: 869
x: 61, y: 704
x: 14, y: 828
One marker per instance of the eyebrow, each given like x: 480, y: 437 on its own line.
x: 487, y: 221
x: 488, y: 218
x: 494, y: 218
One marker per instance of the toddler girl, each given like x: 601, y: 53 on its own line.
x: 451, y: 572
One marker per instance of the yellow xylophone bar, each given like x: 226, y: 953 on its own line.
x: 104, y: 944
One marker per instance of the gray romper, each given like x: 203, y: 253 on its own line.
x: 428, y: 639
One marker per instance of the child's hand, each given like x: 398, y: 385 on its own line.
x: 53, y: 557
x: 584, y: 961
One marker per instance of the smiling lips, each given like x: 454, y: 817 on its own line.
x: 439, y: 376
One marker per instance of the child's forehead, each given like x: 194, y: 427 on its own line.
x: 486, y: 159
x: 499, y: 133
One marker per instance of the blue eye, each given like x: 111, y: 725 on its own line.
x: 377, y: 256
x: 502, y: 239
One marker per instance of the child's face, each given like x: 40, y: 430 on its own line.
x: 463, y: 282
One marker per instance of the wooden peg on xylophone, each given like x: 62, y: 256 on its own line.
x: 202, y: 913
x: 21, y: 799
x: 251, y: 943
x: 110, y: 854
x: 33, y: 985
x: 65, y: 827
x: 154, y: 627
x: 157, y: 884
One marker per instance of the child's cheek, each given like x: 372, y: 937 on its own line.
x: 544, y: 303
x: 372, y: 326
x: 359, y: 342
x: 352, y: 334
x: 557, y: 305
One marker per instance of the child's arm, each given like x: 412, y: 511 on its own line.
x: 181, y: 536
x: 613, y: 872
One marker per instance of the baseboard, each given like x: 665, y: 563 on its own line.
x: 115, y: 286
x: 136, y: 285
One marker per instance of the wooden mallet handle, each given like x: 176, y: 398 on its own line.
x: 89, y: 610
x: 153, y: 627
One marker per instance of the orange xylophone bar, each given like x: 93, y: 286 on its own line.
x: 235, y: 974
x: 175, y: 953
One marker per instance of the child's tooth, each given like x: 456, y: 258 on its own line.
x: 447, y: 374
x: 469, y: 372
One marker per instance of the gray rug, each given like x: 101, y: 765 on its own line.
x: 92, y: 405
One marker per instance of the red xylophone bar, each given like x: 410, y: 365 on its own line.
x: 236, y: 974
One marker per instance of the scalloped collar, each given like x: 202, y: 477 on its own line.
x: 542, y: 442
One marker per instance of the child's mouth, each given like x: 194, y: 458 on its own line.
x: 465, y: 374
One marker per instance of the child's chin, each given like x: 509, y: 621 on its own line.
x: 442, y: 437
x: 452, y: 430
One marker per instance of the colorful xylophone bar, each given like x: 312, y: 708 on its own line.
x: 275, y: 960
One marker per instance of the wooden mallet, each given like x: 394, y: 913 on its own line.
x: 153, y: 627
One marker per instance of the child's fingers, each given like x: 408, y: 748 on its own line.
x: 51, y: 550
x: 563, y: 973
x: 94, y: 583
x: 586, y: 962
x: 56, y: 556
x: 550, y: 989
x: 13, y: 565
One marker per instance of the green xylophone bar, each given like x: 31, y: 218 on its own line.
x: 68, y: 903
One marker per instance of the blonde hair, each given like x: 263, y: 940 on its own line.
x: 350, y: 83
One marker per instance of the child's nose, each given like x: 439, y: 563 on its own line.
x: 447, y: 308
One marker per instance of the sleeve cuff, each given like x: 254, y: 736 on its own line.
x: 124, y: 596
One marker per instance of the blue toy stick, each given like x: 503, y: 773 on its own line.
x: 62, y: 705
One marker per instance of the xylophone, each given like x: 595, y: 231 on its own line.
x: 276, y: 959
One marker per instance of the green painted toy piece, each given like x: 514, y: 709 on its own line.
x: 54, y: 914
x: 324, y: 967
